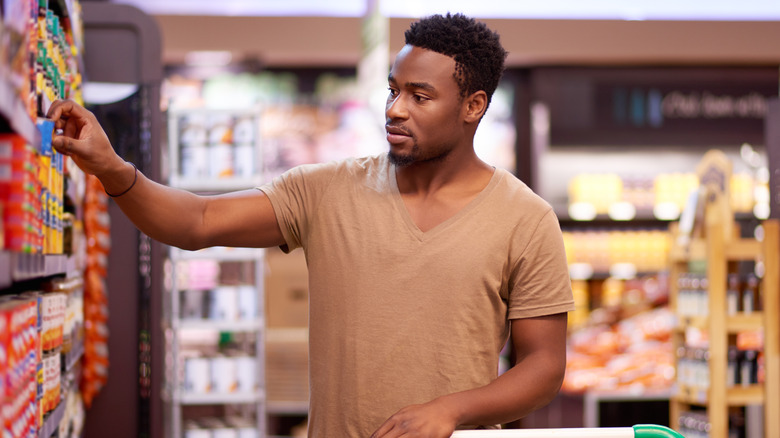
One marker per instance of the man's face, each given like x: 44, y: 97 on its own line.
x: 423, y: 107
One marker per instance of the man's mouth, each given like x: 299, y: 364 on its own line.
x: 396, y: 134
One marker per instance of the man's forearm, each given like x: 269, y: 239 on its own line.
x: 165, y: 214
x: 529, y: 385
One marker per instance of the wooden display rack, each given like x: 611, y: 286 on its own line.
x: 712, y: 238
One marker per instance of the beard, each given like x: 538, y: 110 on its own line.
x: 417, y: 156
x: 399, y: 160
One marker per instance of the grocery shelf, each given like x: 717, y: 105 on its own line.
x: 586, y: 271
x: 67, y: 8
x: 287, y: 407
x: 21, y: 266
x: 736, y: 395
x: 5, y: 269
x: 51, y: 423
x: 692, y: 395
x: 11, y: 106
x: 14, y: 111
x: 222, y: 326
x: 698, y: 322
x: 695, y: 250
x: 741, y: 322
x: 218, y: 254
x: 201, y: 166
x: 220, y: 399
x: 215, y: 184
x: 641, y: 219
x: 742, y: 249
x: 72, y: 357
x: 715, y: 248
x: 737, y: 249
x: 745, y: 395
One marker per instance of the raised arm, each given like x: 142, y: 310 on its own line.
x: 172, y: 216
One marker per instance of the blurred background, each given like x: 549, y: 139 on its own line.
x: 618, y: 114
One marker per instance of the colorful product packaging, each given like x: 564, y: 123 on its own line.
x: 53, y: 308
x: 18, y: 316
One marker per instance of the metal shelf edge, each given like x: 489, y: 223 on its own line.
x: 227, y: 326
x: 52, y: 422
x: 220, y: 399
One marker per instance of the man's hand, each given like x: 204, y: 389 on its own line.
x: 430, y: 420
x: 83, y: 139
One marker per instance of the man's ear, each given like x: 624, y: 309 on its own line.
x: 475, y: 107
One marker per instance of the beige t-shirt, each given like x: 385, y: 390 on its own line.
x: 398, y: 316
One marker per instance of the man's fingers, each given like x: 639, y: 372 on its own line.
x: 70, y: 129
x: 57, y: 109
x: 66, y: 109
x: 66, y: 145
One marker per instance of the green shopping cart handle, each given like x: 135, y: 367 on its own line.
x: 655, y: 431
x: 637, y: 431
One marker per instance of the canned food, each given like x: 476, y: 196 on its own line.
x: 197, y: 378
x: 194, y: 161
x: 246, y: 371
x: 224, y: 303
x: 224, y: 377
x: 247, y: 302
x: 221, y: 160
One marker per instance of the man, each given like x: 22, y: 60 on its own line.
x: 422, y: 262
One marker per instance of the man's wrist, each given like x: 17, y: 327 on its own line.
x: 452, y: 405
x: 118, y: 182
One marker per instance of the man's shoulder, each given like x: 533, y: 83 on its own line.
x: 512, y: 188
x: 346, y: 166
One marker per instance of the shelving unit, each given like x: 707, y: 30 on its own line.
x: 43, y: 43
x: 598, y: 125
x: 711, y: 243
x: 193, y: 155
x: 180, y: 332
x: 196, y: 336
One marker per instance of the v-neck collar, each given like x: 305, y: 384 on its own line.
x: 407, y: 217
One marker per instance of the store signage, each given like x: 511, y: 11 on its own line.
x: 708, y: 105
x: 657, y: 106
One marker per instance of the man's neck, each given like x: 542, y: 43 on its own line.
x: 425, y: 178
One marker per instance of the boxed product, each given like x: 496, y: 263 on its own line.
x: 51, y: 382
x: 19, y: 351
x: 53, y: 306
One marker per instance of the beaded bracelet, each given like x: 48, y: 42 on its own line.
x: 135, y: 178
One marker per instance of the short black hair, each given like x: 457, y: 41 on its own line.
x: 478, y: 54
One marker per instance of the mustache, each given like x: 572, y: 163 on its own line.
x: 398, y: 128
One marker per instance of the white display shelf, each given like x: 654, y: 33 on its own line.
x: 222, y: 326
x: 220, y: 399
x: 183, y: 266
x: 221, y: 254
x: 216, y: 184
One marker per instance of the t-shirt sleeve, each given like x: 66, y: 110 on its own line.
x: 540, y: 283
x: 295, y: 196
